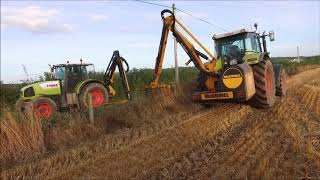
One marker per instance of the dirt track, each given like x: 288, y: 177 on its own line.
x: 227, y: 141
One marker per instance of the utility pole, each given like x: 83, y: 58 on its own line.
x: 175, y: 51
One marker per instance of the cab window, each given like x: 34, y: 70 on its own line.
x: 231, y: 45
x: 249, y: 44
x: 77, y: 71
x: 59, y: 73
x: 252, y: 43
x: 257, y: 44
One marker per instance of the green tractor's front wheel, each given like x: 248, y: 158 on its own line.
x: 20, y: 106
x: 42, y: 107
x: 99, y: 95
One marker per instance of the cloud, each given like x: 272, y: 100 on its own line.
x: 34, y: 19
x: 98, y: 17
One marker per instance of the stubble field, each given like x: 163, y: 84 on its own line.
x: 228, y: 140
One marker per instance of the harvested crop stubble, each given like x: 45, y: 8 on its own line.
x: 19, y: 139
x: 122, y: 129
x: 177, y: 139
x: 273, y: 144
x: 150, y: 151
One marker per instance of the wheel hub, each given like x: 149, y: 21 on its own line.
x: 43, y: 110
x: 268, y: 82
x: 97, y: 98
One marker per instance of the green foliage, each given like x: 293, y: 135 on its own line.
x: 138, y: 78
x: 292, y: 67
x: 10, y: 93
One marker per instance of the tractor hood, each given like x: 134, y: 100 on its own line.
x: 46, y: 88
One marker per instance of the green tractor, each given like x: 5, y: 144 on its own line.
x: 245, y: 70
x: 241, y: 71
x: 69, y: 88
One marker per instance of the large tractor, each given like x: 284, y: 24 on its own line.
x: 241, y: 71
x: 69, y: 88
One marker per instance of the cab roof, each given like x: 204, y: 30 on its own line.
x: 64, y: 65
x: 232, y: 33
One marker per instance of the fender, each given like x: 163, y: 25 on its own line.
x: 85, y: 82
x: 264, y: 56
x: 254, y: 57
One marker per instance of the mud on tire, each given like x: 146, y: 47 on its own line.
x: 99, y: 95
x: 264, y: 84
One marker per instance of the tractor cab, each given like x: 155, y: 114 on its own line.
x: 240, y: 46
x: 71, y: 74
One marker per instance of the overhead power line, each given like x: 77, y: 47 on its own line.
x: 200, y: 19
x: 155, y: 4
x: 189, y: 14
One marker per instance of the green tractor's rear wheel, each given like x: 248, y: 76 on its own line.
x: 42, y: 107
x: 281, y: 86
x: 98, y: 92
x: 264, y: 84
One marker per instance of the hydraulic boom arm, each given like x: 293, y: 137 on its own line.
x: 169, y: 25
x: 117, y: 61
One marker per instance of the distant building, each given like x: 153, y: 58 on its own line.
x: 297, y: 60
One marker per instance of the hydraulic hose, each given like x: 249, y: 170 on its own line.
x: 127, y: 65
x: 173, y: 17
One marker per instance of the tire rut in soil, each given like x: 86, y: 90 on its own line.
x: 155, y: 150
x: 311, y: 98
x: 257, y: 161
x: 198, y: 157
x: 302, y: 126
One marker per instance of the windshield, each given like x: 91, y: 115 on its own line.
x: 78, y: 70
x: 237, y: 45
x: 230, y: 46
x: 59, y: 73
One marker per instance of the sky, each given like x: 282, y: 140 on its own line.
x: 38, y: 33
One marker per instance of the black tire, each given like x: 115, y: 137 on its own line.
x: 90, y: 88
x: 201, y: 82
x: 41, y: 107
x: 281, y: 85
x: 202, y: 78
x: 19, y: 106
x: 264, y: 84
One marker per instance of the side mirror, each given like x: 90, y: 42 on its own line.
x: 255, y: 26
x: 271, y: 35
